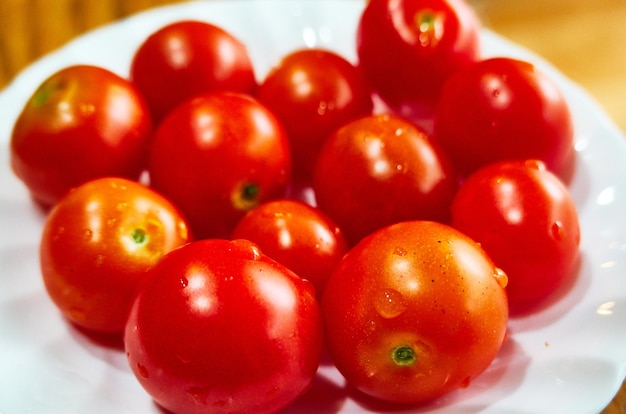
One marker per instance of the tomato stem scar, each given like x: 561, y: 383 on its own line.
x: 403, y: 355
x: 140, y: 236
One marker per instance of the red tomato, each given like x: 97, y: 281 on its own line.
x: 187, y: 58
x: 219, y: 327
x: 313, y: 92
x: 83, y: 122
x: 97, y: 244
x: 408, y: 49
x: 414, y: 311
x: 524, y: 217
x: 297, y: 235
x: 380, y: 170
x: 504, y: 109
x: 218, y: 156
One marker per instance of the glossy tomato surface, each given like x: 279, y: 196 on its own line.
x: 297, y: 235
x: 504, y: 109
x: 187, y: 58
x: 313, y: 92
x: 414, y: 311
x: 379, y: 170
x: 97, y: 244
x: 526, y: 220
x: 81, y: 123
x: 408, y: 48
x: 219, y: 327
x: 218, y: 156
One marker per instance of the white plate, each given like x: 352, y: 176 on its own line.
x: 569, y: 357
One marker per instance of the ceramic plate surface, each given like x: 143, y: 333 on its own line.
x: 568, y: 357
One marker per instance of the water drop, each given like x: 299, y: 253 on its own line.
x: 389, y: 303
x: 557, y: 231
x: 184, y: 282
x: 88, y: 234
x: 501, y: 277
x: 143, y: 371
x: 465, y: 383
x: 400, y: 251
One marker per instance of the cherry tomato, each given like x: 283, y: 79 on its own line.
x: 408, y: 49
x: 414, y: 311
x: 218, y: 156
x: 313, y: 92
x: 187, y: 58
x: 219, y: 327
x: 525, y: 219
x: 297, y: 235
x: 501, y: 109
x: 81, y: 123
x: 97, y: 244
x: 379, y: 170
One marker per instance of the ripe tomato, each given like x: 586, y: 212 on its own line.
x: 219, y: 327
x: 408, y: 49
x: 313, y: 92
x: 379, y: 170
x: 414, y: 311
x: 217, y: 156
x: 97, y: 244
x: 187, y: 58
x: 83, y: 122
x: 524, y: 217
x: 297, y: 235
x: 515, y: 112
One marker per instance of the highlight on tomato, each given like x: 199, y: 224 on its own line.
x: 414, y: 311
x: 98, y: 243
x: 219, y: 327
x: 83, y: 122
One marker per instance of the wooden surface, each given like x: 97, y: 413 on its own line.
x: 584, y: 39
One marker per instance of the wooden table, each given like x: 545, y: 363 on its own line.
x: 584, y: 39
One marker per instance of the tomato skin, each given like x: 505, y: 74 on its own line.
x: 187, y: 58
x: 297, y: 235
x: 516, y: 113
x: 379, y: 170
x: 236, y: 332
x: 525, y: 219
x: 419, y: 290
x: 218, y: 156
x: 406, y: 62
x: 313, y: 92
x: 83, y: 122
x: 97, y: 244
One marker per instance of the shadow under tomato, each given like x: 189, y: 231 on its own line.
x: 559, y: 303
x: 111, y: 341
x: 324, y: 396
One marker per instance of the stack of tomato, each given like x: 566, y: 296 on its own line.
x: 400, y: 207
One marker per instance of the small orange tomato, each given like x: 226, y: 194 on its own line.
x: 97, y: 244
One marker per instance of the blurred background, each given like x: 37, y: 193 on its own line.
x: 586, y: 40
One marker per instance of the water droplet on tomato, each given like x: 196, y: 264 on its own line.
x: 465, y: 383
x: 184, y: 282
x: 143, y: 371
x: 535, y: 164
x: 501, y: 277
x: 389, y: 303
x: 400, y: 251
x: 87, y: 234
x: 557, y: 231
